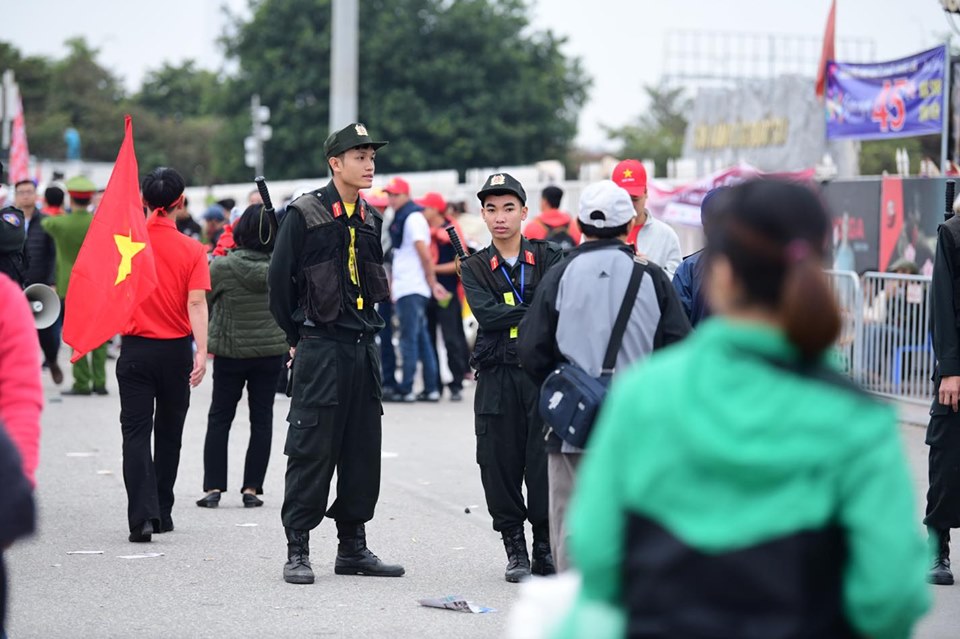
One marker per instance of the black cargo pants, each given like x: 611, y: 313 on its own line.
x: 334, y: 424
x: 510, y: 447
x: 943, y: 438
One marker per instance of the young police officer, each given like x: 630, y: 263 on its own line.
x: 499, y: 283
x: 325, y: 277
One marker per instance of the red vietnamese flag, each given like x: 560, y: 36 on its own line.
x: 828, y: 52
x: 114, y: 271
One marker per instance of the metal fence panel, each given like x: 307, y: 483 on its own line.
x: 846, y: 286
x: 896, y: 350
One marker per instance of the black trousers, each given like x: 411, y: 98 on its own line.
x: 259, y: 374
x: 450, y: 321
x: 3, y: 597
x: 50, y: 340
x: 154, y: 380
x: 334, y: 424
x: 943, y: 497
x: 510, y: 448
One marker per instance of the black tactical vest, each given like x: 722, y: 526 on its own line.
x: 325, y: 286
x: 498, y: 348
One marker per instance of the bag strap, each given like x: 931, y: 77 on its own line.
x: 623, y: 317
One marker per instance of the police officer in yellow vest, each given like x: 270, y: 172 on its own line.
x: 326, y: 275
x: 499, y: 282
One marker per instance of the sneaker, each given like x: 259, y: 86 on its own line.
x: 391, y: 395
x: 432, y: 396
x: 456, y: 395
x: 409, y: 398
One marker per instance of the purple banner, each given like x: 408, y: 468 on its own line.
x: 896, y: 99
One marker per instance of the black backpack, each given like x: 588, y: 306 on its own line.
x: 559, y: 235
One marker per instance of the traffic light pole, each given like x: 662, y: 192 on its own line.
x: 260, y: 133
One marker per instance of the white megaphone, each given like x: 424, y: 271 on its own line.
x: 45, y: 304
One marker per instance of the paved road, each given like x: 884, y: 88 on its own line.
x: 219, y: 576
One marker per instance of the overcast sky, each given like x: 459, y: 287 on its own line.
x: 621, y: 42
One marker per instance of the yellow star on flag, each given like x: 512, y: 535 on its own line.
x: 128, y: 248
x: 628, y: 173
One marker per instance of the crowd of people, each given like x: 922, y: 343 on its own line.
x: 699, y: 472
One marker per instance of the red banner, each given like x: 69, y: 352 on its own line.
x: 891, y: 218
x: 19, y: 153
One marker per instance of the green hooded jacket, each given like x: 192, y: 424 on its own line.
x: 241, y: 325
x: 724, y: 451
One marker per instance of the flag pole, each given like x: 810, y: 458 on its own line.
x: 945, y: 134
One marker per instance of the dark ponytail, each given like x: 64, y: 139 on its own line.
x: 774, y: 234
x: 808, y: 307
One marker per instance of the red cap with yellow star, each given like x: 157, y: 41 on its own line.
x: 631, y: 176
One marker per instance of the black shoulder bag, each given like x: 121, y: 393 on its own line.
x: 570, y: 398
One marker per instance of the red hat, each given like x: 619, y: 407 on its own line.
x: 375, y: 197
x: 631, y: 176
x: 433, y: 200
x: 397, y: 186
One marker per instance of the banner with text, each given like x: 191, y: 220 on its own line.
x: 681, y: 204
x: 900, y: 98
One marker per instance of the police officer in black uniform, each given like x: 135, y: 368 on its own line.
x: 499, y: 282
x: 13, y: 237
x: 943, y: 431
x: 326, y: 275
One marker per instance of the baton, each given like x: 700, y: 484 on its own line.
x: 455, y: 240
x: 457, y: 245
x: 261, y: 183
x: 951, y: 194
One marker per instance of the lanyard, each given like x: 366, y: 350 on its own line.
x: 510, y: 282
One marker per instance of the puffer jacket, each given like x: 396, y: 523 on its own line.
x: 241, y: 325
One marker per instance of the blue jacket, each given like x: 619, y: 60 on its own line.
x: 688, y: 281
x: 399, y: 220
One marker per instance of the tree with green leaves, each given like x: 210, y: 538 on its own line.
x: 658, y: 133
x: 877, y: 156
x: 181, y: 91
x: 451, y: 84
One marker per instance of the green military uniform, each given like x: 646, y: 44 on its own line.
x: 326, y: 275
x: 508, y: 427
x: 68, y: 232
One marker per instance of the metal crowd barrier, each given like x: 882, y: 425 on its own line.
x: 846, y: 286
x: 885, y: 343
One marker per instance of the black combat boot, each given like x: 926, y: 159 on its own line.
x: 542, y: 557
x: 518, y: 562
x: 297, y: 569
x: 940, y: 542
x: 354, y: 558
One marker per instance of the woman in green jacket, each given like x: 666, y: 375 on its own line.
x: 736, y: 485
x: 248, y: 347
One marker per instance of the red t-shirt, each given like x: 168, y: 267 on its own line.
x: 181, y: 267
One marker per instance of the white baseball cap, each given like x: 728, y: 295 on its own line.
x: 605, y: 205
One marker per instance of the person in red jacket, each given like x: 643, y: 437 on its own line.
x: 21, y: 399
x: 553, y: 224
x: 21, y: 393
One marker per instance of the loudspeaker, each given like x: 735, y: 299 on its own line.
x: 45, y: 304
